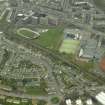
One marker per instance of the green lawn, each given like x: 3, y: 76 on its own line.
x: 100, y: 4
x: 69, y: 46
x: 51, y: 38
x: 41, y: 102
x: 27, y: 33
x: 55, y: 100
x: 38, y: 90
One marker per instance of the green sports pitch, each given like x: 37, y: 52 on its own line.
x: 69, y: 46
x: 52, y: 38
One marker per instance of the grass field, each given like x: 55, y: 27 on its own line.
x: 100, y: 4
x: 27, y: 33
x: 38, y: 90
x: 51, y: 38
x: 69, y: 46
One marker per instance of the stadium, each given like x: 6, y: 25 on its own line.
x: 27, y: 33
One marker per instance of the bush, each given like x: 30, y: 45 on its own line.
x: 55, y: 100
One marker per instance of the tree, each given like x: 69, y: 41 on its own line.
x: 41, y: 102
x: 55, y: 100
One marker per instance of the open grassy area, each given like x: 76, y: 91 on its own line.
x: 69, y: 46
x: 51, y: 38
x: 38, y: 90
x: 55, y: 100
x: 100, y: 4
x: 27, y: 33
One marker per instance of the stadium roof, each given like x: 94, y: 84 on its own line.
x: 79, y: 102
x: 101, y: 98
x: 89, y: 102
x: 68, y: 102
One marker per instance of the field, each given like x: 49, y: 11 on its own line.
x: 100, y: 4
x: 38, y: 90
x: 27, y: 33
x: 51, y: 39
x: 69, y: 46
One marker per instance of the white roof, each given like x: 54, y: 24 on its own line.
x: 1, y: 32
x: 79, y: 102
x: 84, y: 3
x: 20, y: 14
x: 101, y: 98
x: 68, y: 101
x: 81, y: 52
x: 89, y: 102
x: 102, y: 93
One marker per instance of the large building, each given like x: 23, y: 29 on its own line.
x: 101, y: 98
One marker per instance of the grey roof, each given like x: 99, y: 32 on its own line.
x: 90, y: 48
